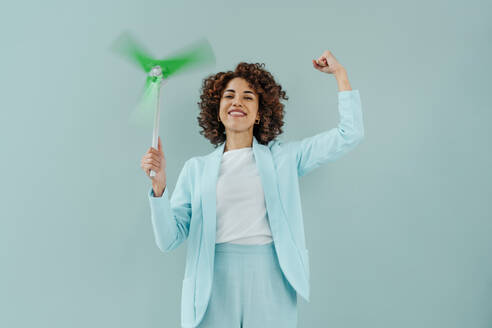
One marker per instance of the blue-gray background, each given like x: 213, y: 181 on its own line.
x: 399, y: 230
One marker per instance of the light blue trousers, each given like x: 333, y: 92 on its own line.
x: 249, y: 289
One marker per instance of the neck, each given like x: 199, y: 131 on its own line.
x: 237, y: 140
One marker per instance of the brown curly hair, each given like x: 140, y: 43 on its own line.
x: 270, y: 109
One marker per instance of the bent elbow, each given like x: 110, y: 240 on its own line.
x: 168, y: 247
x: 352, y: 135
x: 354, y: 138
x: 359, y: 137
x: 164, y: 247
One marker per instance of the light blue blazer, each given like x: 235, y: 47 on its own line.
x: 191, y: 211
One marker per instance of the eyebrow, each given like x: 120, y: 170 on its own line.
x: 232, y: 90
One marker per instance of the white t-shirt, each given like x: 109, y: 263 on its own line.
x: 241, y: 213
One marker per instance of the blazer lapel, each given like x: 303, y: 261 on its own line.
x: 209, y: 198
x: 268, y: 175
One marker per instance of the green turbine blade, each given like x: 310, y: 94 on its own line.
x: 197, y: 54
x: 128, y: 47
x: 144, y: 113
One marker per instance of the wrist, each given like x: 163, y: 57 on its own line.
x: 158, y: 189
x: 341, y: 72
x: 342, y: 80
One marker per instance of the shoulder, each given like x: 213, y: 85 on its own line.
x: 280, y: 147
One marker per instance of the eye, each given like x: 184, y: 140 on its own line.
x: 229, y: 96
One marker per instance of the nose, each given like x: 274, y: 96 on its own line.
x: 236, y: 101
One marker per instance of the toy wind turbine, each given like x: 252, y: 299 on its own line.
x: 159, y: 71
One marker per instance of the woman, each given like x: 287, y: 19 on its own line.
x: 239, y: 206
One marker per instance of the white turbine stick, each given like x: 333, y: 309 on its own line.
x: 155, y: 133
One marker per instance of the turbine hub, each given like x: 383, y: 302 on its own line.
x: 156, y: 71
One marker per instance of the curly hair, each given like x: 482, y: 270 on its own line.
x: 270, y: 109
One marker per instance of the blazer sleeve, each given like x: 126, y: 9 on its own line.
x: 311, y: 152
x: 171, y: 218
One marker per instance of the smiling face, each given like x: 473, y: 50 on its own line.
x: 238, y: 95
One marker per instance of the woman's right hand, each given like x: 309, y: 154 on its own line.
x: 154, y: 160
